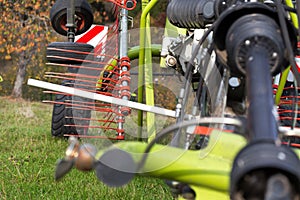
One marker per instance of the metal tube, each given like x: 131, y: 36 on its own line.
x: 133, y: 52
x: 123, y: 38
x: 101, y: 97
x: 123, y: 53
x: 208, y: 168
x: 147, y: 6
x: 180, y: 107
x: 261, y: 121
x: 71, y: 21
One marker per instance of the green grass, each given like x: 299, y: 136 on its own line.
x: 28, y: 155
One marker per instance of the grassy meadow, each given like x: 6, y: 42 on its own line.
x: 28, y: 155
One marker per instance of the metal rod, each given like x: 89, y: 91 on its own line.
x: 146, y: 7
x: 180, y: 107
x: 100, y: 97
x: 71, y: 21
x: 262, y: 123
x: 123, y: 52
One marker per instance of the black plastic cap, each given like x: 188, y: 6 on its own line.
x: 257, y: 162
x: 115, y: 168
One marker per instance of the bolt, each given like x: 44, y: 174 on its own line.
x: 274, y: 54
x: 281, y: 156
x: 240, y: 163
x: 247, y: 42
x: 178, y: 106
x: 171, y: 61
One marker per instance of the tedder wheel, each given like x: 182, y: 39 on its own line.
x: 60, y: 116
x: 83, y: 16
x: 68, y: 52
x: 63, y: 121
x: 64, y: 111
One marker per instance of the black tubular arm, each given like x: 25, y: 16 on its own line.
x: 261, y: 120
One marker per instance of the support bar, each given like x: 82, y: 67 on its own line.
x: 100, y: 97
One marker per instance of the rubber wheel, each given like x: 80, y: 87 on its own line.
x: 76, y: 55
x: 83, y: 21
x: 62, y: 115
x: 59, y: 113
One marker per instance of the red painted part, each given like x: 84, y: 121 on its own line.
x: 125, y: 94
x: 93, y: 119
x: 127, y: 59
x: 93, y: 136
x: 120, y: 4
x: 204, y: 130
x: 125, y: 88
x: 125, y: 73
x: 67, y: 50
x: 291, y: 144
x: 125, y: 110
x: 120, y: 130
x: 120, y: 137
x: 126, y: 78
x: 107, y: 116
x: 120, y: 120
x: 90, y: 34
x: 94, y: 127
x: 125, y: 64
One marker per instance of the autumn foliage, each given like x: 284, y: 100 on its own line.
x: 24, y: 33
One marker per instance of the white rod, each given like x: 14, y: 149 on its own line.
x: 100, y: 97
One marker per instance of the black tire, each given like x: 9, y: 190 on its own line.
x: 59, y: 120
x: 58, y: 16
x: 82, y: 107
x: 77, y: 54
x: 62, y: 115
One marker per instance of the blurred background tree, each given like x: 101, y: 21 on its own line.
x: 24, y: 33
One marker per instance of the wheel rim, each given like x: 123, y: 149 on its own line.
x: 79, y: 21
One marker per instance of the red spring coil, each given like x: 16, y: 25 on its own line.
x: 125, y: 111
x: 125, y: 62
x: 120, y: 137
x: 125, y: 90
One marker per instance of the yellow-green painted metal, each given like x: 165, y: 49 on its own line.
x: 207, y: 170
x: 110, y: 66
x: 149, y: 88
x: 133, y: 52
x: 171, y: 31
x: 285, y: 73
x: 293, y: 15
x: 143, y: 54
x: 281, y: 85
